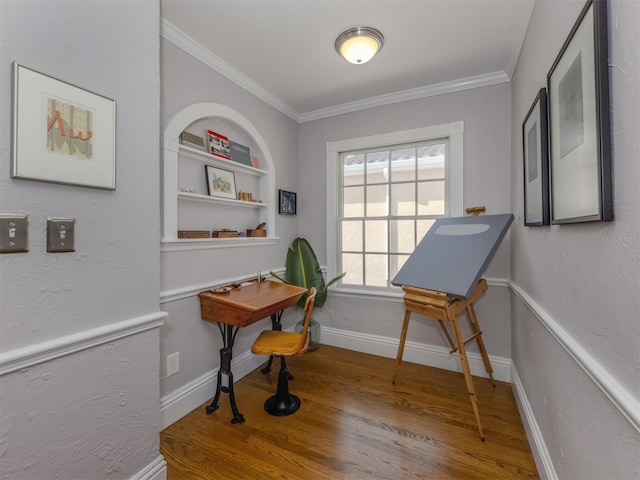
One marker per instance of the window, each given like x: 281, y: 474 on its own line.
x: 385, y: 193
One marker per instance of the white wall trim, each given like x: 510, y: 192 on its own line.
x: 180, y: 402
x: 156, y: 470
x: 467, y: 83
x: 618, y: 395
x: 423, y: 354
x: 193, y: 290
x: 31, y: 355
x: 167, y: 296
x: 454, y: 177
x: 197, y: 50
x: 536, y: 440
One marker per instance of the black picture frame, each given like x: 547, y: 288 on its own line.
x: 286, y: 202
x: 535, y: 156
x: 220, y: 182
x: 579, y: 125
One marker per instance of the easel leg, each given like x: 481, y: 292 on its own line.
x: 446, y: 334
x: 467, y: 374
x: 403, y: 338
x: 475, y: 328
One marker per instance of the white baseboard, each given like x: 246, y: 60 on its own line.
x: 178, y: 403
x: 156, y: 470
x: 422, y: 354
x: 534, y: 434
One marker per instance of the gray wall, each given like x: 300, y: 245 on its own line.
x: 486, y: 114
x: 575, y: 315
x: 188, y: 81
x: 79, y: 331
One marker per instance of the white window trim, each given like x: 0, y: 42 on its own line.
x: 453, y: 175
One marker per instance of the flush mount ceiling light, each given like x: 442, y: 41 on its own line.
x: 358, y: 45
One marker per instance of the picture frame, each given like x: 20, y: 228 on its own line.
x: 286, y: 202
x: 579, y: 124
x: 220, y: 182
x: 61, y: 133
x: 535, y: 155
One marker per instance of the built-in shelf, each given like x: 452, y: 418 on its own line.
x: 262, y: 184
x: 212, y: 243
x: 196, y: 197
x: 206, y: 158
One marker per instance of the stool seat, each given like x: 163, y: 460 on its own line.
x: 272, y: 342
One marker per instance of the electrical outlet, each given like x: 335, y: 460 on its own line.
x: 173, y: 364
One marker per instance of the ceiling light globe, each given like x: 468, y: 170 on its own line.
x: 359, y: 45
x: 359, y: 50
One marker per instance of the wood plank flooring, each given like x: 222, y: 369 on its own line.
x: 354, y: 424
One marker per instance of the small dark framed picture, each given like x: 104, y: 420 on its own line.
x: 535, y: 146
x: 579, y: 124
x: 287, y: 203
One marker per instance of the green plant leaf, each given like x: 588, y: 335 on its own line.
x: 303, y: 269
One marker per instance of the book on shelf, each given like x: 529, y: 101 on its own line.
x: 218, y: 145
x: 240, y: 153
x: 190, y: 140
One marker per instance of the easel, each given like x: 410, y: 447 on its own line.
x: 444, y: 308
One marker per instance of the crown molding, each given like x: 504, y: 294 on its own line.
x: 181, y: 40
x: 406, y: 95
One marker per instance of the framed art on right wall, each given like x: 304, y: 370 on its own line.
x: 579, y: 126
x: 535, y: 146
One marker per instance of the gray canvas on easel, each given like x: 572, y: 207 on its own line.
x: 454, y: 254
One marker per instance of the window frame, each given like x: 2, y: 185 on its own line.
x: 454, y: 195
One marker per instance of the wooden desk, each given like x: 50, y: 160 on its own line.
x: 241, y: 307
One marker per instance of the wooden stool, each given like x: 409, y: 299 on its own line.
x: 444, y: 308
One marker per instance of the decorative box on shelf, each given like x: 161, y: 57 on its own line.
x: 259, y: 231
x: 193, y: 234
x: 225, y: 234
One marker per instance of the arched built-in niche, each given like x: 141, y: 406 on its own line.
x: 172, y: 196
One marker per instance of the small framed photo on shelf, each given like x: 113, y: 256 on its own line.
x: 61, y: 133
x: 220, y: 183
x: 579, y: 124
x: 287, y: 203
x: 218, y: 145
x: 536, y: 162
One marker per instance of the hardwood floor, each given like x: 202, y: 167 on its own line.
x: 354, y: 424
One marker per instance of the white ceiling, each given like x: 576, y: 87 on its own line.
x: 283, y: 50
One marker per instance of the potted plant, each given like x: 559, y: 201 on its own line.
x: 303, y: 269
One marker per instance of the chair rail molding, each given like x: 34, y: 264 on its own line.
x: 618, y: 395
x: 31, y: 355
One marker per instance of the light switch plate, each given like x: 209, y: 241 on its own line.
x: 14, y: 233
x: 61, y: 233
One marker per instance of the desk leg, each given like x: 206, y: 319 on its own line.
x: 277, y: 326
x: 226, y: 354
